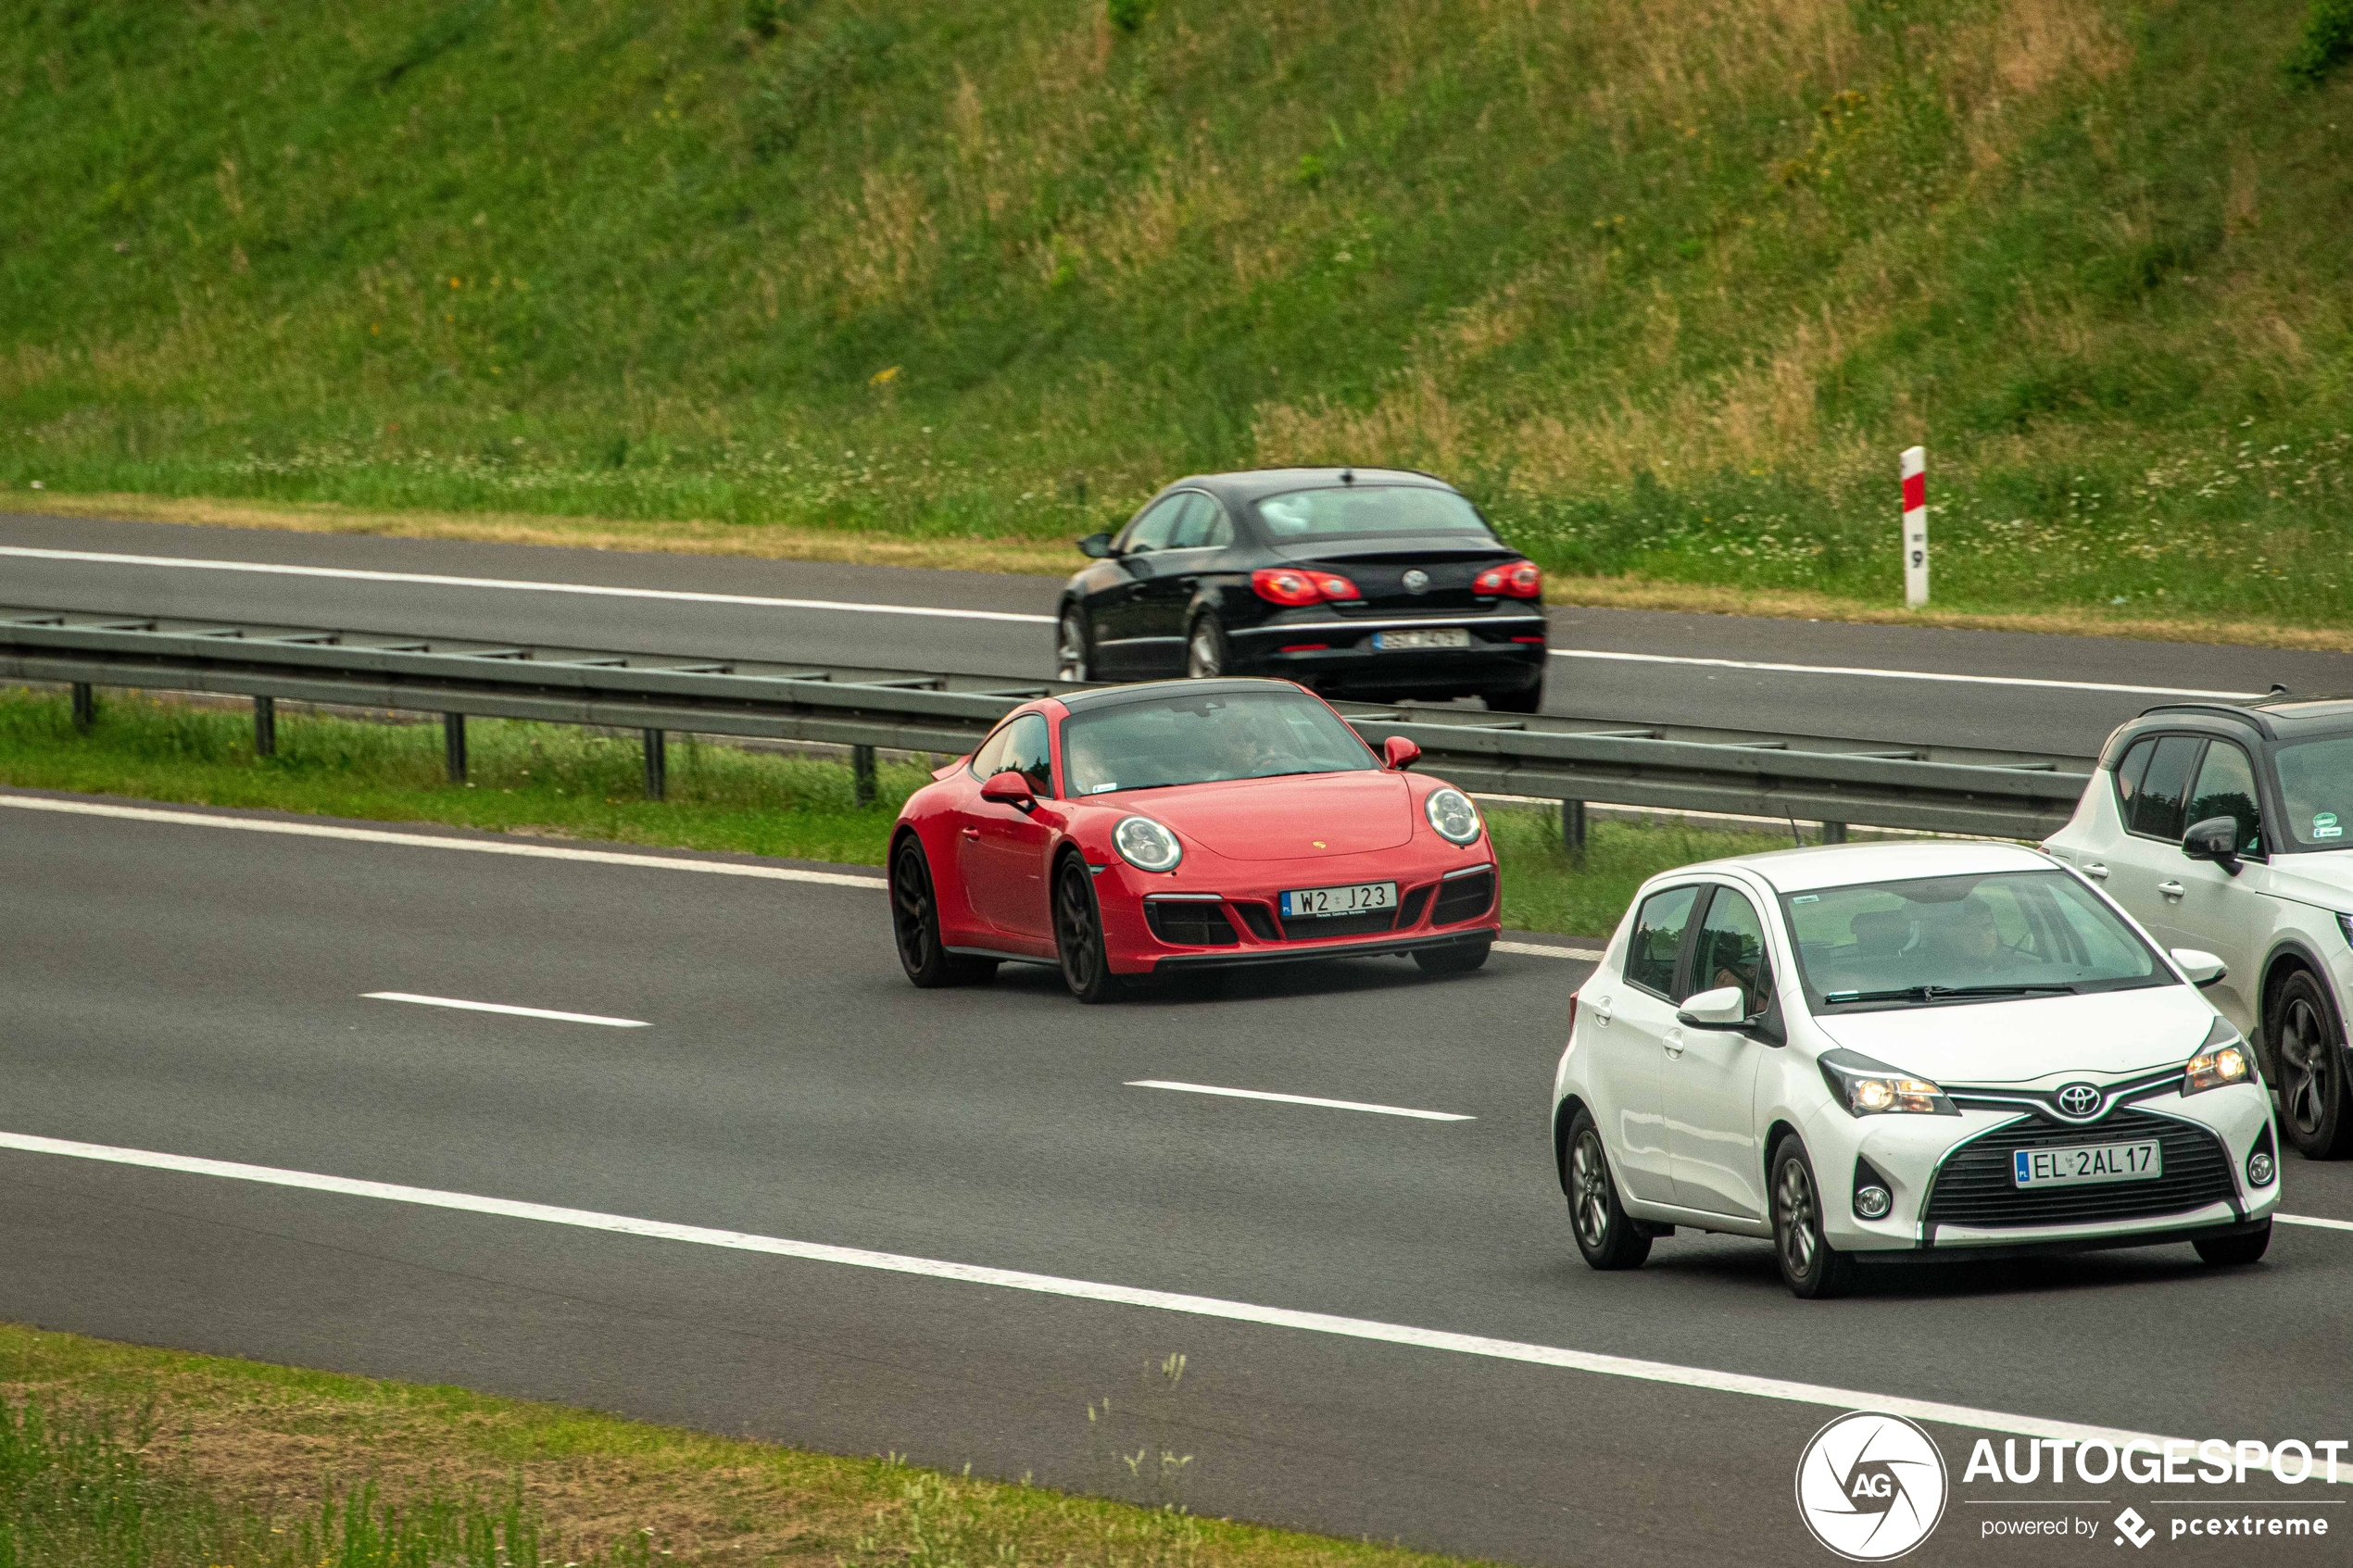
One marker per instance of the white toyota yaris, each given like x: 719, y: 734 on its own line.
x: 1919, y: 1050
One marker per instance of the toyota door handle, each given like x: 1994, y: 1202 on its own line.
x: 2171, y: 889
x: 1674, y: 1043
x: 2097, y: 871
x: 972, y: 833
x: 1602, y: 1014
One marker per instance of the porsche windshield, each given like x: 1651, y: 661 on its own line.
x: 1183, y: 740
x: 1962, y: 938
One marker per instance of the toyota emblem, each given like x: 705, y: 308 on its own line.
x: 1417, y: 581
x: 2078, y: 1100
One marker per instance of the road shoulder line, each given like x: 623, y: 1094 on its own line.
x: 1705, y: 1378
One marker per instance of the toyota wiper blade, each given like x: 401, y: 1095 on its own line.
x: 1939, y: 993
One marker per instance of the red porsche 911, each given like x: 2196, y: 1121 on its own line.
x: 1185, y: 824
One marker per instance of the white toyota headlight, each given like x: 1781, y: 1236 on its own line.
x: 1452, y: 815
x: 1146, y: 846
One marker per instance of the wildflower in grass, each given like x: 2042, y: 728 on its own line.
x: 883, y: 377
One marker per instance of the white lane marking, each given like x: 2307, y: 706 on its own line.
x: 429, y: 841
x: 1584, y: 955
x: 1297, y: 1099
x: 501, y: 1007
x: 440, y: 579
x: 1705, y: 1378
x: 1901, y: 674
x: 2315, y: 1221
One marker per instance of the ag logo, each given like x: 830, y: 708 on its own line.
x: 1871, y: 1486
x: 1417, y: 581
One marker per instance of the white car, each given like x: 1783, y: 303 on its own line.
x: 2229, y: 828
x: 1903, y: 1050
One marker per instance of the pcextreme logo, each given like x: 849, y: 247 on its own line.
x: 1871, y: 1486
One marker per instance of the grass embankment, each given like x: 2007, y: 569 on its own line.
x: 1666, y: 286
x: 116, y: 1456
x: 554, y: 780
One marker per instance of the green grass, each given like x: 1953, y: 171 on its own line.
x: 120, y: 1456
x: 1666, y: 286
x: 563, y: 780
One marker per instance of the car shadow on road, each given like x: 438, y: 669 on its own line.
x: 1962, y: 1279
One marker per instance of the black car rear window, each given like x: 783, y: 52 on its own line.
x: 1359, y: 509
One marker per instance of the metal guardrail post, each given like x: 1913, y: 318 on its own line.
x: 862, y: 775
x: 453, y: 745
x: 657, y: 764
x: 1573, y: 826
x: 85, y: 707
x: 265, y: 726
x: 1833, y: 832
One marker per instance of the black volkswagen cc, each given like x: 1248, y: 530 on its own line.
x: 1372, y: 583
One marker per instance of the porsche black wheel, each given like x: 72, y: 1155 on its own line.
x: 2308, y: 1045
x: 1078, y: 935
x: 1459, y: 960
x: 914, y: 922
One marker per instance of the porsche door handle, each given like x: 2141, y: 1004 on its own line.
x: 972, y: 833
x: 2095, y: 870
x: 2171, y: 889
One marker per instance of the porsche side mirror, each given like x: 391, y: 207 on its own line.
x: 1095, y: 546
x: 2215, y: 839
x: 1009, y: 788
x: 2199, y: 967
x: 1399, y: 754
x: 1724, y: 1008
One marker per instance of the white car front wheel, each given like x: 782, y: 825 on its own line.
x: 1605, y: 1235
x: 1814, y: 1269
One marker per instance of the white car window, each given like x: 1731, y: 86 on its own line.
x: 2316, y: 786
x: 2225, y: 787
x: 1657, y: 939
x: 1988, y: 936
x: 1731, y: 951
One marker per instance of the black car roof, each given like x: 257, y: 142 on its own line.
x: 1252, y: 484
x: 1148, y: 691
x: 2282, y: 716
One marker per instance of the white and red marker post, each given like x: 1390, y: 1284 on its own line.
x: 1915, y: 527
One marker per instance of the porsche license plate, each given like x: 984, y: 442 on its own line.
x: 2087, y: 1162
x: 1356, y: 898
x: 1431, y: 637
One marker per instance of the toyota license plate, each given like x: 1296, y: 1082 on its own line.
x: 2087, y: 1162
x: 1356, y: 898
x: 1433, y: 637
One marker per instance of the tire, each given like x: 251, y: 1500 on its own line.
x: 1205, y: 653
x: 1074, y: 659
x: 2235, y: 1251
x: 2307, y: 1048
x: 1531, y: 700
x: 1605, y: 1236
x: 1079, y: 934
x: 915, y: 920
x: 1459, y: 960
x: 1814, y: 1270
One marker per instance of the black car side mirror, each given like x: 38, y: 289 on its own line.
x: 1095, y: 546
x: 2215, y: 839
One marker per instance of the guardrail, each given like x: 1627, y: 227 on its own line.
x: 1823, y: 779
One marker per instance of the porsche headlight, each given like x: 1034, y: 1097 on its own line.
x: 1864, y: 1087
x: 2221, y: 1063
x: 1146, y: 846
x: 1452, y: 815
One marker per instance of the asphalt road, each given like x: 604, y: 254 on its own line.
x: 197, y: 991
x: 1989, y: 689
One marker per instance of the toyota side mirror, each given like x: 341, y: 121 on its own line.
x: 2201, y: 968
x: 1009, y: 788
x: 1724, y: 1008
x: 1095, y: 546
x: 1399, y: 754
x: 2215, y: 839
